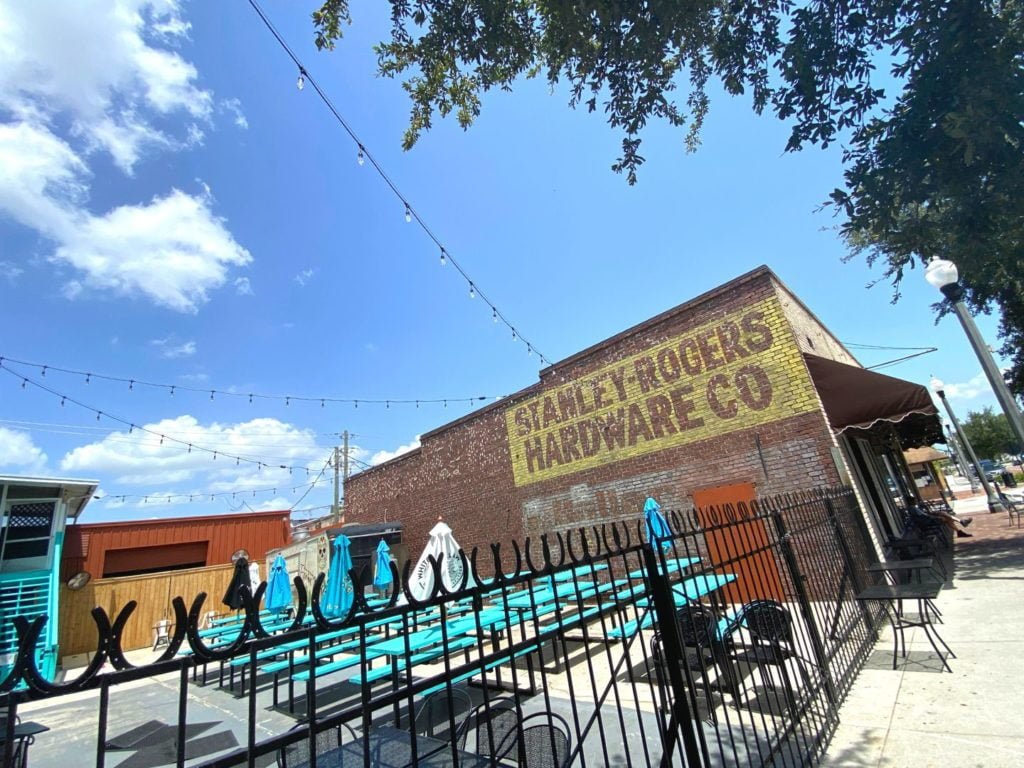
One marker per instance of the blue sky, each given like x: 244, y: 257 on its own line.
x: 174, y: 210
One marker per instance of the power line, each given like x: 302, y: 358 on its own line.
x: 185, y: 498
x: 132, y: 426
x: 252, y: 396
x: 411, y: 214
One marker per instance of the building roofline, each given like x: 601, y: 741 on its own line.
x: 190, y: 519
x: 86, y: 488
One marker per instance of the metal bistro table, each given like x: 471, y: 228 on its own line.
x: 392, y: 748
x: 891, y: 596
x: 24, y: 735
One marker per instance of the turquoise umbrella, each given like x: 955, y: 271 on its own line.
x: 656, y: 524
x: 338, y: 594
x: 382, y: 578
x: 279, y: 589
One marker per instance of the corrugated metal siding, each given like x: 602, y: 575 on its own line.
x: 257, y: 534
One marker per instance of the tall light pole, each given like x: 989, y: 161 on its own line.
x: 943, y: 274
x: 994, y: 505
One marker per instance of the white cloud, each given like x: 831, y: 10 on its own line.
x: 100, y: 66
x: 234, y: 108
x: 173, y: 250
x: 969, y: 390
x: 20, y: 454
x: 172, y: 351
x: 243, y: 287
x: 381, y: 456
x: 10, y: 271
x: 303, y: 277
x: 139, y: 459
x: 109, y: 76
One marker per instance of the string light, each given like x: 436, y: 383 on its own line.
x: 443, y: 257
x: 304, y: 75
x: 127, y: 423
x: 300, y: 83
x: 189, y: 498
x: 472, y: 291
x: 361, y: 157
x: 286, y: 399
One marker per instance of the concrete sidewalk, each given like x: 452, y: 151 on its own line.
x: 919, y: 716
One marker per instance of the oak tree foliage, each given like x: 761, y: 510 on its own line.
x: 925, y: 96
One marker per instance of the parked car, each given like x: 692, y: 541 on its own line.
x: 993, y: 470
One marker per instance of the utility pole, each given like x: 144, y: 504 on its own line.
x: 336, y: 510
x: 344, y: 437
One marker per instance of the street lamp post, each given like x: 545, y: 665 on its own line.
x: 959, y: 459
x: 994, y: 505
x: 942, y: 273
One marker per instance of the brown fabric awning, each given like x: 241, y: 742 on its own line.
x: 855, y: 398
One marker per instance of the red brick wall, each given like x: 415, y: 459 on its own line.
x: 464, y: 471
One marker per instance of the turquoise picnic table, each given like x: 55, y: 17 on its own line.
x: 672, y: 565
x: 688, y: 591
x: 582, y: 570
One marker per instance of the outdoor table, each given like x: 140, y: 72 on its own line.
x: 891, y: 596
x: 23, y: 732
x: 391, y: 747
x: 914, y: 567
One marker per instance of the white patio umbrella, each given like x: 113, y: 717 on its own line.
x: 441, y: 543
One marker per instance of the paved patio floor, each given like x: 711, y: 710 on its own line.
x: 918, y: 716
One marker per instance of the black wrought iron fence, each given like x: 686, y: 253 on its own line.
x: 731, y: 640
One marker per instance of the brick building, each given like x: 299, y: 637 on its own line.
x: 740, y: 392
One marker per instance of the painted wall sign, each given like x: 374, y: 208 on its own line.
x: 741, y: 370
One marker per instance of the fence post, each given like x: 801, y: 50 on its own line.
x: 848, y: 559
x: 672, y: 646
x: 805, y: 603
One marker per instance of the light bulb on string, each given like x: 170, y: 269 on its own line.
x: 131, y: 384
x: 494, y: 314
x: 44, y: 370
x: 24, y: 383
x: 472, y: 291
x: 408, y: 213
x: 529, y: 350
x: 444, y: 257
x: 361, y: 157
x: 300, y: 83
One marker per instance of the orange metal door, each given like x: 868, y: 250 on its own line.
x: 742, y: 548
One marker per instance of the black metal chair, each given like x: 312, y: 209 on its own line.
x: 542, y: 740
x: 442, y: 710
x: 770, y: 627
x: 491, y: 723
x: 297, y: 754
x: 698, y: 629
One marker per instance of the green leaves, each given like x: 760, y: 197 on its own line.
x: 935, y: 169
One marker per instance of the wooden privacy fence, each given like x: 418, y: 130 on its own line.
x: 152, y: 591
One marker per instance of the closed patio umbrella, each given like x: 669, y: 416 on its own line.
x: 382, y: 577
x: 656, y: 524
x: 338, y: 594
x: 239, y: 578
x: 441, y: 542
x: 279, y: 588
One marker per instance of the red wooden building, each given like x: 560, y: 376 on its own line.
x: 135, y: 547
